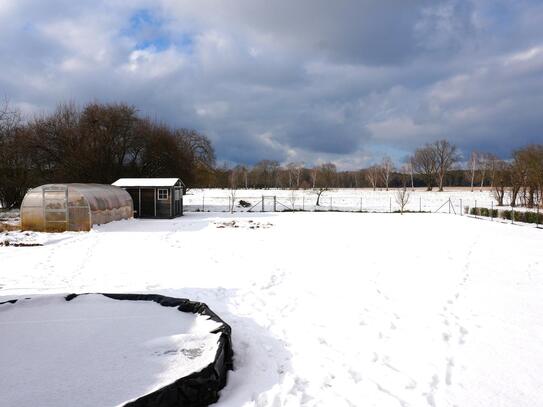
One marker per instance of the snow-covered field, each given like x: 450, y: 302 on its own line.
x: 329, y: 309
x: 348, y: 199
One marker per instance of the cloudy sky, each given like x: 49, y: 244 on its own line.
x: 290, y: 80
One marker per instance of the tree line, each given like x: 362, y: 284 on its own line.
x: 103, y: 142
x: 433, y: 165
x: 97, y: 143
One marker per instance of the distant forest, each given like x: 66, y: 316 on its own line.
x: 103, y: 142
x: 98, y: 143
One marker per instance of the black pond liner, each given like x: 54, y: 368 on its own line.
x: 198, y: 389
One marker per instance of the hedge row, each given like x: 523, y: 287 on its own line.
x: 526, y: 217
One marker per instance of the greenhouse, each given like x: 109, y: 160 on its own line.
x: 73, y: 207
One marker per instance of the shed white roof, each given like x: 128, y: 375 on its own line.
x: 146, y: 182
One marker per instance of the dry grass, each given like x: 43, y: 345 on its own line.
x: 9, y: 227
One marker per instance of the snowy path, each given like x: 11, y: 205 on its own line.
x: 331, y: 309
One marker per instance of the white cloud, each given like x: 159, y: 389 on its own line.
x: 310, y: 80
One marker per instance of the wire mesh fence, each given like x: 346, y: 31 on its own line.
x: 383, y: 202
x: 457, y: 202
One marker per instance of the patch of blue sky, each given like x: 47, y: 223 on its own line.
x: 150, y: 32
x: 142, y: 18
x: 158, y: 44
x: 29, y: 27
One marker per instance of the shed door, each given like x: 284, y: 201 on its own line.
x: 147, y: 209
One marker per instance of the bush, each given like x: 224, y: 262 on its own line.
x: 484, y: 212
x: 526, y: 217
x: 533, y: 217
x: 518, y: 216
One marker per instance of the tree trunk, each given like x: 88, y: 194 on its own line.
x: 319, y: 197
x: 514, y: 194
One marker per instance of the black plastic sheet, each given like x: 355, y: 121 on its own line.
x: 198, y: 389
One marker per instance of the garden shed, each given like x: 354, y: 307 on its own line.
x: 154, y: 197
x: 73, y: 207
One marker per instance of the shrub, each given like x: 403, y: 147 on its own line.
x: 483, y: 212
x: 518, y: 216
x: 506, y: 214
x: 526, y: 217
x: 533, y: 217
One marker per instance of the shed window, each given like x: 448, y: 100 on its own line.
x: 163, y: 194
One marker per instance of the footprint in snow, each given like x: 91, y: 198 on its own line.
x: 356, y: 376
x: 448, y: 371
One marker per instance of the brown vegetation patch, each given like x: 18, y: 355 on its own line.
x: 250, y: 224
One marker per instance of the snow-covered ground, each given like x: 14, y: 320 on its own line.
x: 347, y: 199
x: 330, y: 309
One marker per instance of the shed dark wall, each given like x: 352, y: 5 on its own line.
x: 168, y: 208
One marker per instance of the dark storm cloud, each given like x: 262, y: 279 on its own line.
x: 310, y: 80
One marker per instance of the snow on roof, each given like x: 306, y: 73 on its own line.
x: 146, y: 182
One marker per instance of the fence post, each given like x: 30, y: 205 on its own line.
x: 389, y: 205
x: 330, y: 203
x: 360, y: 204
x: 461, y: 208
x: 475, y: 209
x: 203, y: 203
x: 420, y: 204
x: 262, y: 203
x: 537, y: 217
x: 303, y: 202
x: 275, y: 203
x: 449, y: 205
x: 512, y: 215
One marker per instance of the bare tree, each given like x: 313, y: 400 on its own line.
x: 314, y: 173
x: 445, y: 157
x: 298, y: 173
x: 292, y: 198
x: 409, y: 163
x: 491, y: 165
x: 328, y: 175
x: 405, y: 175
x: 502, y: 180
x: 233, y: 181
x: 474, y: 164
x: 294, y: 173
x: 483, y: 167
x: 527, y: 175
x: 425, y: 163
x: 372, y: 175
x: 386, y: 168
x: 15, y: 162
x: 319, y: 192
x: 402, y: 198
x: 519, y: 175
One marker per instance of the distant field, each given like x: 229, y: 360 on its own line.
x: 361, y: 199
